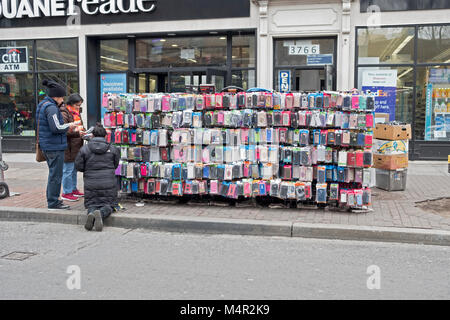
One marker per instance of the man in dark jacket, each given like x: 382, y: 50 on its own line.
x: 52, y: 140
x: 98, y: 160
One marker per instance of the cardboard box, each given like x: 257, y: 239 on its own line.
x: 381, y: 117
x: 392, y: 132
x: 390, y: 146
x: 390, y: 162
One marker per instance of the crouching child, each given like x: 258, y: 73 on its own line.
x: 98, y: 160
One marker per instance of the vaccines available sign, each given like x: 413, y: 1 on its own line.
x: 13, y: 59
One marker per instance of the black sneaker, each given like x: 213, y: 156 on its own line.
x: 89, y: 222
x: 59, y: 206
x: 98, y: 223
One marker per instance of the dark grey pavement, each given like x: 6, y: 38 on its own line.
x: 138, y: 264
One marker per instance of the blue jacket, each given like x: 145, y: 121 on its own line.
x: 52, y: 129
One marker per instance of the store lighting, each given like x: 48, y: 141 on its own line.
x: 402, y: 45
x: 112, y: 59
x: 174, y: 45
x: 223, y: 38
x: 406, y: 72
x: 442, y: 56
x: 58, y: 62
x: 162, y: 40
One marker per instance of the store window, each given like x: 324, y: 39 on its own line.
x: 433, y: 44
x: 295, y: 52
x: 20, y: 92
x: 181, y: 51
x: 57, y: 54
x: 245, y: 79
x: 393, y: 90
x: 419, y: 58
x: 17, y: 102
x: 114, y: 55
x: 386, y: 45
x: 244, y: 51
x: 305, y: 64
x: 433, y: 103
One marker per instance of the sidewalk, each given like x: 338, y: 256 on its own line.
x: 426, y: 181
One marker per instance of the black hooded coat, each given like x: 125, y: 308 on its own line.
x: 98, y: 160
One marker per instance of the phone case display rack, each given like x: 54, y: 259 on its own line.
x: 307, y: 147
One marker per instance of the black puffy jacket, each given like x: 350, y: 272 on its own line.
x: 98, y: 160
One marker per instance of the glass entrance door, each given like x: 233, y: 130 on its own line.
x: 309, y: 79
x: 152, y: 82
x: 217, y: 77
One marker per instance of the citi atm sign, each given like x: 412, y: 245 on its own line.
x: 13, y: 59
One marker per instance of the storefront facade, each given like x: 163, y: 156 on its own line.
x: 164, y: 46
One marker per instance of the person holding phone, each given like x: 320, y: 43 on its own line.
x: 52, y: 139
x: 71, y: 112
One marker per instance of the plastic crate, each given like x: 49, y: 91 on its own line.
x: 391, y: 180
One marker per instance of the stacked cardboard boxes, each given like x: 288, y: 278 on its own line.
x: 390, y: 155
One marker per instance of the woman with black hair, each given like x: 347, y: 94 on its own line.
x: 71, y: 111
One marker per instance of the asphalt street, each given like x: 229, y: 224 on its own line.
x: 139, y: 264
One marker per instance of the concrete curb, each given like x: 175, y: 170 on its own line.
x: 236, y: 226
x: 384, y: 234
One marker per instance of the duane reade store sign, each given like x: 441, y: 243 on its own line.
x: 34, y: 13
x: 16, y: 9
x: 13, y: 59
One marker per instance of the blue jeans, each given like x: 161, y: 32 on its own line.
x: 55, y: 161
x: 69, y: 178
x: 105, y: 211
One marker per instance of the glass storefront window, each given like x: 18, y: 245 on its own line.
x: 17, y: 103
x: 67, y: 79
x: 245, y: 79
x: 142, y: 83
x: 243, y: 51
x: 386, y: 45
x: 433, y: 103
x: 433, y: 44
x: 181, y: 52
x: 295, y: 52
x: 55, y: 59
x: 21, y: 43
x: 393, y: 90
x: 57, y: 54
x: 178, y: 81
x: 114, y: 55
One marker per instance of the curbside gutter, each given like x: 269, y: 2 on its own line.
x: 206, y: 225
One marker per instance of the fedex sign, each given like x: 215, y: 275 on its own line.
x: 13, y: 59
